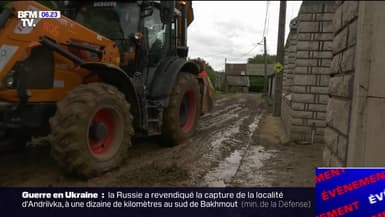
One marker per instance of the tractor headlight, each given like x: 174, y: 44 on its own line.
x: 10, y: 82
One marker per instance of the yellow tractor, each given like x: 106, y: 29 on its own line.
x: 98, y: 75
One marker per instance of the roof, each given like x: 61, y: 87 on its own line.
x: 235, y: 69
x: 232, y: 71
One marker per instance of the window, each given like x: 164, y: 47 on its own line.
x: 102, y: 20
x: 156, y: 33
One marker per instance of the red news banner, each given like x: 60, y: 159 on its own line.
x: 354, y: 192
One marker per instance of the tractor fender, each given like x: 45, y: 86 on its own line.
x: 116, y: 77
x: 165, y: 78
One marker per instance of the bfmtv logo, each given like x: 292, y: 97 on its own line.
x: 29, y: 18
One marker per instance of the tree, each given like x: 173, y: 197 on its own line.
x: 211, y: 72
x: 209, y: 69
x: 259, y: 59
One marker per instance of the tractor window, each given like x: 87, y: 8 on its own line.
x: 103, y: 20
x: 129, y: 17
x: 113, y: 22
x: 156, y: 33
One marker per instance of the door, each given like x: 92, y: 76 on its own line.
x: 155, y: 33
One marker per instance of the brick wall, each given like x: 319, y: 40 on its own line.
x: 338, y: 81
x: 290, y: 56
x: 341, y: 82
x: 306, y: 97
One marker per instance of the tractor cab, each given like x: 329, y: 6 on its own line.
x: 144, y: 31
x: 152, y: 41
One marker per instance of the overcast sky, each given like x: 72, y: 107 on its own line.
x: 230, y: 29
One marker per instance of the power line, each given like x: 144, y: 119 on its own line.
x: 244, y: 55
x: 266, y: 15
x: 264, y: 30
x: 264, y: 34
x: 259, y: 43
x: 268, y: 22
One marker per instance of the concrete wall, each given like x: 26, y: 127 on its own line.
x: 290, y: 57
x: 342, y: 72
x: 306, y: 84
x: 355, y: 122
x: 336, y: 80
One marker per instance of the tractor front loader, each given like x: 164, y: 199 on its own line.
x: 91, y: 80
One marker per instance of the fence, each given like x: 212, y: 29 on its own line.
x: 245, y: 77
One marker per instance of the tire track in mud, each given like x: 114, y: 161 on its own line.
x: 224, y: 173
x: 229, y: 143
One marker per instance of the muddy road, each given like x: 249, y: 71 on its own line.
x: 226, y: 151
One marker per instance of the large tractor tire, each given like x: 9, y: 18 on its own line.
x: 181, y: 117
x: 91, y: 130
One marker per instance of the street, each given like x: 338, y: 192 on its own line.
x: 237, y: 144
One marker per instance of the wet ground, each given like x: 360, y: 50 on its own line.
x: 237, y: 144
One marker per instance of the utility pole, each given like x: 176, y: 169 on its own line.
x: 280, y: 59
x: 265, y: 60
x: 225, y: 77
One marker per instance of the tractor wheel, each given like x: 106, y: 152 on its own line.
x: 181, y: 117
x: 91, y: 130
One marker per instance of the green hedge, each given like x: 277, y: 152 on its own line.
x: 256, y: 84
